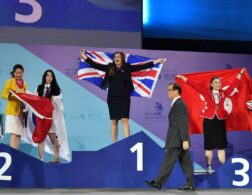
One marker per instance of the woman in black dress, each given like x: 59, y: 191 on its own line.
x: 214, y: 113
x: 118, y: 81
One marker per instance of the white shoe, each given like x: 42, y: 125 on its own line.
x: 209, y: 170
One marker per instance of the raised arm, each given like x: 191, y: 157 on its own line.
x: 199, y: 87
x: 147, y: 65
x: 92, y: 63
x: 235, y: 83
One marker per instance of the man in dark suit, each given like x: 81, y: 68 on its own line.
x: 177, y: 142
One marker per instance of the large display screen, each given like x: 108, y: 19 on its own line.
x: 218, y: 21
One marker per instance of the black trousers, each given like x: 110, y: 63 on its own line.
x: 170, y: 158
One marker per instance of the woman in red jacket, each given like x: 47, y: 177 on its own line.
x: 214, y: 113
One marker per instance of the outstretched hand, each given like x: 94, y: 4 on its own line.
x: 242, y: 70
x: 181, y: 77
x: 83, y: 54
x: 241, y: 73
x: 159, y: 60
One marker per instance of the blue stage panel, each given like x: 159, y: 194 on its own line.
x: 112, y: 167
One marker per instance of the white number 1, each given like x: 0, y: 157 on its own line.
x: 139, y: 148
x: 34, y: 16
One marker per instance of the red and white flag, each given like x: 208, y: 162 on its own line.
x: 48, y: 116
x: 240, y: 117
x: 43, y: 108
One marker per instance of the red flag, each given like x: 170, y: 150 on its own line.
x: 240, y: 117
x: 42, y: 107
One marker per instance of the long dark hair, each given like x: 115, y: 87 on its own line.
x: 15, y: 67
x: 112, y: 67
x: 212, y: 79
x: 55, y: 89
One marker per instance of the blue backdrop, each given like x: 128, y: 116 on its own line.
x: 111, y: 15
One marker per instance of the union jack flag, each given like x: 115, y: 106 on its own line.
x: 144, y: 81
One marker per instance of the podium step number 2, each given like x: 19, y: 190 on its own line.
x: 241, y: 174
x: 5, y: 166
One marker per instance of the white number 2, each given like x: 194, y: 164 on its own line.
x: 241, y: 172
x: 34, y: 16
x: 139, y: 148
x: 6, y: 165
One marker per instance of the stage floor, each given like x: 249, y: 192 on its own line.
x: 125, y: 191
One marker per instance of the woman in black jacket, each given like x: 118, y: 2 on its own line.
x: 49, y: 88
x: 118, y: 81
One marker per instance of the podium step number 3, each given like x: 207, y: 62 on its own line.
x: 242, y: 172
x: 240, y: 178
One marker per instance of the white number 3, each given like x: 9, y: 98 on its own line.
x: 242, y: 172
x: 34, y: 16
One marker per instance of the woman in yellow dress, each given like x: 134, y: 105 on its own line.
x: 14, y: 112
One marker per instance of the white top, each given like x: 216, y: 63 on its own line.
x: 57, y: 100
x: 45, y: 88
x: 216, y: 95
x: 174, y: 100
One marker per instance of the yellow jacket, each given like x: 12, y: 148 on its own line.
x: 13, y: 104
